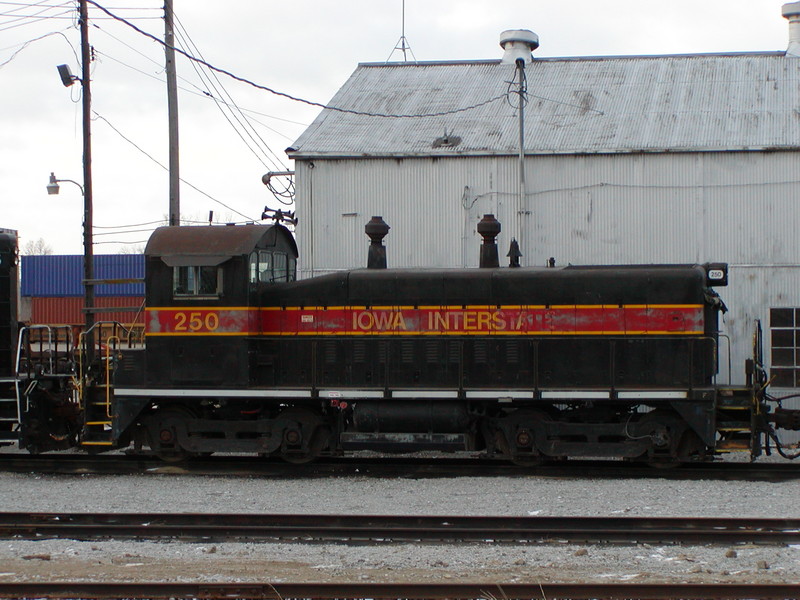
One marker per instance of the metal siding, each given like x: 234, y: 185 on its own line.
x: 420, y: 199
x: 576, y: 105
x: 643, y: 208
x: 752, y: 291
x: 61, y: 275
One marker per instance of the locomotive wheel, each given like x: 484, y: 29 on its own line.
x: 163, y: 436
x: 665, y: 428
x: 522, y: 434
x: 691, y: 448
x: 294, y: 448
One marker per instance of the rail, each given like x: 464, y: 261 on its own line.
x: 382, y: 529
x: 265, y: 590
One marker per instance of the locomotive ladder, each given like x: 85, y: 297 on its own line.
x: 736, y: 413
x: 97, y: 395
x: 9, y: 409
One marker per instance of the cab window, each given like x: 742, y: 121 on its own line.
x: 271, y: 267
x: 199, y: 281
x: 279, y: 272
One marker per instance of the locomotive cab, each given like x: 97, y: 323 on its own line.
x: 202, y: 286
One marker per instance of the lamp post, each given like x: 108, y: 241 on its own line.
x: 88, y: 254
x: 67, y: 78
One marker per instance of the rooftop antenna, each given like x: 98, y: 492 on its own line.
x: 402, y: 43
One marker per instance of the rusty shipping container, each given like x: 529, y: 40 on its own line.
x: 68, y: 310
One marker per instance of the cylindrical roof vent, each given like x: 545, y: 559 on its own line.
x: 376, y: 229
x: 791, y: 11
x: 518, y: 43
x: 488, y: 228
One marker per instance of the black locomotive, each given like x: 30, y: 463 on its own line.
x: 519, y: 363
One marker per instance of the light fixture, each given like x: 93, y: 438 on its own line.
x: 67, y: 78
x: 53, y: 188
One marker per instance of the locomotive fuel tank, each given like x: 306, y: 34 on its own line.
x: 410, y: 417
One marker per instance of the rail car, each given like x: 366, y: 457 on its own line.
x: 519, y: 363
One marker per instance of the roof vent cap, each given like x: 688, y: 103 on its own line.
x: 519, y: 43
x: 791, y: 11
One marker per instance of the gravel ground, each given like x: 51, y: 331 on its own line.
x: 182, y: 561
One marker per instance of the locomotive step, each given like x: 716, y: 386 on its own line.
x: 729, y: 445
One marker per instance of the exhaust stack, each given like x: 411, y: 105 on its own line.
x: 489, y: 227
x: 376, y: 229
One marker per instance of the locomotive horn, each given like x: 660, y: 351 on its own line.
x: 514, y: 253
x: 489, y: 227
x: 376, y: 229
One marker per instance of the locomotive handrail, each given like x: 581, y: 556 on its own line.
x: 24, y: 348
x: 82, y: 342
x: 24, y: 334
x: 133, y: 324
x: 727, y: 338
x: 108, y: 372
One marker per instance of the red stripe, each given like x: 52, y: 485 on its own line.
x: 568, y: 320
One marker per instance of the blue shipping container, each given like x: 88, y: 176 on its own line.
x: 61, y: 275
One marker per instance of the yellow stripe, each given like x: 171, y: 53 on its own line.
x: 460, y: 332
x: 195, y: 308
x: 193, y: 333
x: 442, y: 307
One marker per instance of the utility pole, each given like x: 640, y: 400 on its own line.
x: 88, y: 251
x: 523, y: 193
x: 172, y: 111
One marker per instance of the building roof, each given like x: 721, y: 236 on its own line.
x: 703, y: 102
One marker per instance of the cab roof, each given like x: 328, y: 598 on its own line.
x: 214, y: 244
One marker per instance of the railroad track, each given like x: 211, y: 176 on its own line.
x: 249, y: 466
x: 393, y: 591
x: 394, y: 529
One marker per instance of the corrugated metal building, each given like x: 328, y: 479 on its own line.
x: 631, y: 159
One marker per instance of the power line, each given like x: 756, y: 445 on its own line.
x: 135, y: 145
x: 120, y: 242
x: 23, y: 5
x: 29, y: 42
x: 122, y: 232
x: 237, y: 114
x: 162, y: 221
x: 32, y: 20
x: 289, y: 96
x: 36, y: 14
x: 202, y: 94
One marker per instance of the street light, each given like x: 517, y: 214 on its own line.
x: 53, y: 188
x: 88, y: 255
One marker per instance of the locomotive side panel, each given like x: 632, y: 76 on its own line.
x: 8, y: 335
x: 8, y: 301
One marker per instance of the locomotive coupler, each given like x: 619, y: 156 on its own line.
x: 786, y: 419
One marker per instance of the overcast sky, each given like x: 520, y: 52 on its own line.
x: 306, y: 48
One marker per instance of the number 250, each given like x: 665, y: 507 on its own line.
x: 195, y: 321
